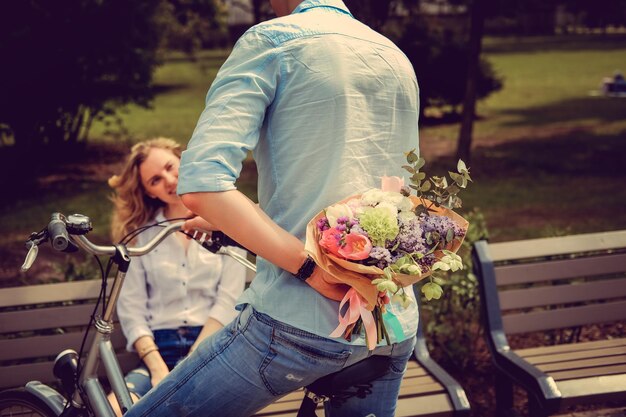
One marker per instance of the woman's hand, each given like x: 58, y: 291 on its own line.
x: 157, y: 375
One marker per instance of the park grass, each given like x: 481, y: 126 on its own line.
x: 531, y: 140
x: 182, y: 85
x: 549, y: 81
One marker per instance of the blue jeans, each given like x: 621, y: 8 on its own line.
x: 256, y: 360
x: 173, y: 346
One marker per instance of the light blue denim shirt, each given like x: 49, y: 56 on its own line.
x: 327, y: 106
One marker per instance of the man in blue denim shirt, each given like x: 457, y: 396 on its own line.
x: 327, y: 106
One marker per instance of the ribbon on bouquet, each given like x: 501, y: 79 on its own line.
x: 356, y: 308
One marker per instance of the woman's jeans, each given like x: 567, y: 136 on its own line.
x: 255, y: 360
x: 174, y: 345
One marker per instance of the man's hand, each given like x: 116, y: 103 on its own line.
x: 199, y: 225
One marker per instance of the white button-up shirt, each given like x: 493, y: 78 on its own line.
x: 167, y: 289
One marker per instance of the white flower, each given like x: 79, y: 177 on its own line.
x: 406, y: 205
x: 391, y: 208
x: 336, y: 211
x: 406, y: 216
x: 393, y: 198
x: 372, y: 197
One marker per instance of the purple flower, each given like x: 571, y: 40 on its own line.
x: 438, y: 227
x: 322, y: 224
x: 382, y: 255
x: 410, y: 237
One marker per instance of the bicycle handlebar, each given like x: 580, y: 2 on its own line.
x: 68, y: 234
x: 58, y: 232
x: 110, y: 250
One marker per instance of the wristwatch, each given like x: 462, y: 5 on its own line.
x: 306, y: 269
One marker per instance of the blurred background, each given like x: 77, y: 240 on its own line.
x: 527, y: 92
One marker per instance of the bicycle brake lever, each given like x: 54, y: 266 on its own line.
x: 30, y: 257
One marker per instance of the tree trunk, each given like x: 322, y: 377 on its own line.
x: 469, y: 102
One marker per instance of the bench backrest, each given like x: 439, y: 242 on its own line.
x: 38, y: 322
x: 552, y: 283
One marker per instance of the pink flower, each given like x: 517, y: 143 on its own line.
x: 330, y: 240
x: 394, y: 184
x: 357, y: 247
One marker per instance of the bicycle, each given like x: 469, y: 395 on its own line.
x: 85, y: 395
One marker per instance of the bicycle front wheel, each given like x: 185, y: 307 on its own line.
x: 21, y: 403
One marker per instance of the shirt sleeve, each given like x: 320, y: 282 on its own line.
x: 230, y: 287
x: 132, y: 309
x: 230, y: 124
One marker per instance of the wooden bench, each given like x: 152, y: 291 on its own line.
x: 37, y: 322
x: 555, y: 286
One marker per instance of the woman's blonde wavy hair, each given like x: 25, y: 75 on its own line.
x: 133, y: 207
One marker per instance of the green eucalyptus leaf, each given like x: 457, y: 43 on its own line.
x: 449, y: 235
x: 411, y: 157
x: 453, y: 189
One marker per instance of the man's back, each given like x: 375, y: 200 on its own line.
x: 327, y: 106
x: 347, y: 99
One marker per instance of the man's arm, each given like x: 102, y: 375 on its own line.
x: 241, y: 219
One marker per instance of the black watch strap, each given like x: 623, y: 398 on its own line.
x: 306, y: 269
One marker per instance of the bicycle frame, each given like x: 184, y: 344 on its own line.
x: 90, y: 394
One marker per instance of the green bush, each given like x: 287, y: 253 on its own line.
x: 452, y: 323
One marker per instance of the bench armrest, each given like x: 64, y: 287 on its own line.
x: 525, y: 374
x: 455, y: 391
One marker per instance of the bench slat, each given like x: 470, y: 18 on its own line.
x: 589, y: 372
x: 437, y: 405
x: 571, y: 347
x: 560, y: 269
x: 421, y: 380
x: 533, y: 248
x: 583, y: 363
x: 583, y: 354
x: 18, y: 375
x: 564, y: 317
x: 51, y: 293
x: 45, y: 318
x: 44, y: 346
x: 410, y: 390
x: 604, y: 388
x: 562, y: 294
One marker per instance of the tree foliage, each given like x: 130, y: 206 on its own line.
x: 441, y: 66
x: 68, y: 63
x: 194, y: 24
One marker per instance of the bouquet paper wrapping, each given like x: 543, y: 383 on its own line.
x: 341, y: 274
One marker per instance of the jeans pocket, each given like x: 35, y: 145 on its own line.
x: 297, y: 358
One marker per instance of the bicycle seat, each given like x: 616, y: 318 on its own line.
x: 339, y: 384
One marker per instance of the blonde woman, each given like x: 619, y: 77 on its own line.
x: 178, y: 294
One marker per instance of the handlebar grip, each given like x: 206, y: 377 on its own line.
x: 224, y: 239
x: 57, y: 233
x: 219, y: 239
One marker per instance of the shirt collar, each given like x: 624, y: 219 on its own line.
x: 310, y: 4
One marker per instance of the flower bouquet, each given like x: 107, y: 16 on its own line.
x: 374, y: 244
